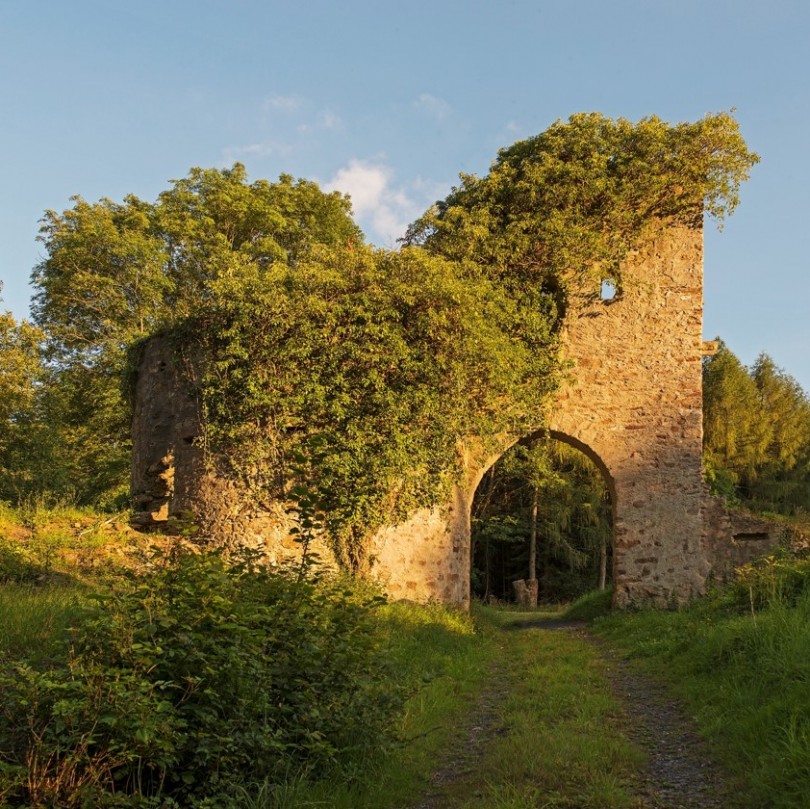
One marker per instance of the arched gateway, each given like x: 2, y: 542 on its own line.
x: 632, y: 401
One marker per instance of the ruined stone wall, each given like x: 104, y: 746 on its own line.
x: 172, y: 478
x: 733, y: 537
x: 635, y: 400
x: 427, y: 558
x: 632, y: 401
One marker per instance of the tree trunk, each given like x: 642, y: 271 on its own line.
x: 533, y: 538
x: 603, y: 562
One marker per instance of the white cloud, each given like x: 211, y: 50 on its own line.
x: 436, y: 107
x: 364, y: 182
x: 383, y: 209
x: 283, y: 103
x: 324, y: 120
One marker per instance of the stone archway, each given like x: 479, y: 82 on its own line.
x: 632, y: 398
x: 573, y: 528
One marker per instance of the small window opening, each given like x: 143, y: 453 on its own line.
x: 609, y: 290
x: 759, y: 536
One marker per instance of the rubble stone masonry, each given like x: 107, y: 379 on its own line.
x: 632, y: 401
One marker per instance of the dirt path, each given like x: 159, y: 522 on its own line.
x: 460, y: 761
x: 679, y: 773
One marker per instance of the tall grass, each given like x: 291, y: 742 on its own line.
x: 745, y: 676
x: 35, y: 621
x: 552, y: 734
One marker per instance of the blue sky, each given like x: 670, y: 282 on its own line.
x: 390, y: 101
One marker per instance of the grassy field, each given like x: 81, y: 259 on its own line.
x: 497, y: 713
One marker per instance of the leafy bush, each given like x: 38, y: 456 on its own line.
x: 16, y: 564
x: 197, y: 677
x: 774, y: 580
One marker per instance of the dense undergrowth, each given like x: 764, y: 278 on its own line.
x: 164, y: 677
x: 178, y: 684
x: 137, y: 678
x: 741, y: 661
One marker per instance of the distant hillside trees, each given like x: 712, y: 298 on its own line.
x: 756, y: 433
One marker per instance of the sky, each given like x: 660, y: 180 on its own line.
x: 390, y: 101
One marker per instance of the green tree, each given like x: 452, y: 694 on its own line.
x: 21, y: 373
x: 782, y: 481
x: 756, y: 433
x: 735, y: 433
x: 567, y: 205
x: 116, y: 272
x: 544, y: 494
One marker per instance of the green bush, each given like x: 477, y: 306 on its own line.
x: 200, y: 676
x: 773, y: 580
x: 16, y: 563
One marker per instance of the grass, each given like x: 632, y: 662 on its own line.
x: 746, y: 680
x: 39, y: 543
x: 444, y: 660
x: 553, y: 735
x: 35, y: 621
x: 561, y: 742
x: 591, y: 605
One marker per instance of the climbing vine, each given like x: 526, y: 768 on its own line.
x: 364, y: 369
x: 358, y: 373
x: 567, y: 205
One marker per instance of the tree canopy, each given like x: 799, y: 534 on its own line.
x: 573, y: 200
x: 360, y: 369
x: 756, y: 433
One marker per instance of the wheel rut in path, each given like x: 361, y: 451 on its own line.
x: 680, y: 772
x: 460, y: 760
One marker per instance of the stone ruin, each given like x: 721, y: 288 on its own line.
x: 632, y: 403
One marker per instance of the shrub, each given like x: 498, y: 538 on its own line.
x: 199, y: 676
x: 774, y: 580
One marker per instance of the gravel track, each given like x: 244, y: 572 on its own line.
x: 679, y: 774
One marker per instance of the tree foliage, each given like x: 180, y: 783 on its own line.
x: 363, y: 370
x: 21, y: 372
x: 117, y: 272
x: 573, y: 522
x: 571, y: 202
x: 756, y: 433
